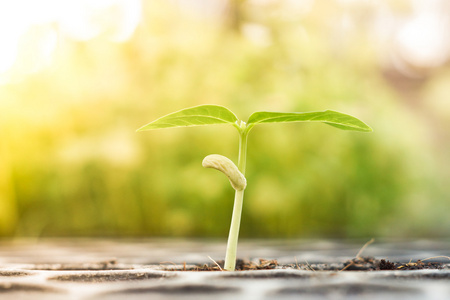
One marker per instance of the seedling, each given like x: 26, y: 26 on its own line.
x: 214, y: 114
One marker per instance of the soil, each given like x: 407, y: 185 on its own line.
x: 355, y: 264
x: 241, y: 265
x: 101, y: 265
x: 372, y: 264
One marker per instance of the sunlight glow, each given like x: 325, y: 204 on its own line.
x: 10, y: 31
x: 114, y: 19
x: 8, y: 50
x: 31, y: 30
x: 423, y: 40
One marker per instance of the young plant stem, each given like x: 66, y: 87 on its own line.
x: 230, y: 256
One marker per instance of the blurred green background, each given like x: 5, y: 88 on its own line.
x: 77, y: 78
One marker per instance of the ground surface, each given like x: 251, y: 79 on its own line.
x: 118, y: 269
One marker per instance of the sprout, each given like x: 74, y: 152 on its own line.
x: 214, y: 114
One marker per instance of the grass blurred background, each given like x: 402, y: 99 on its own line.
x: 77, y: 78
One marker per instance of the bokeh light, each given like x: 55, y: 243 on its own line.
x: 32, y: 30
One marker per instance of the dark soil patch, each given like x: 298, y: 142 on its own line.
x: 7, y: 273
x: 285, y: 274
x: 95, y: 277
x: 350, y: 289
x: 181, y: 290
x: 101, y: 265
x: 241, y: 265
x: 355, y: 264
x: 372, y: 264
x: 7, y: 287
x: 417, y: 276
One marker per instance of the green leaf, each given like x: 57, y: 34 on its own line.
x: 194, y: 116
x: 333, y: 118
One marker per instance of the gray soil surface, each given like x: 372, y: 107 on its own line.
x: 167, y: 269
